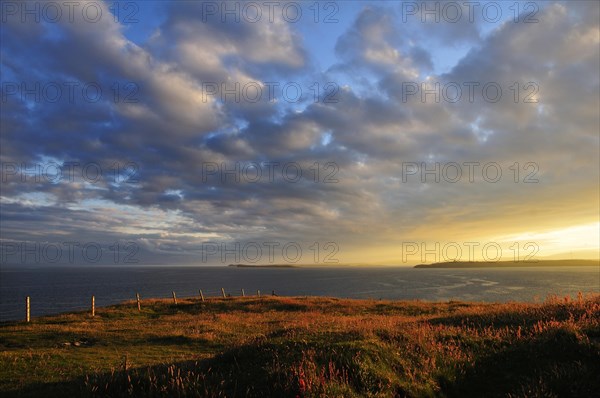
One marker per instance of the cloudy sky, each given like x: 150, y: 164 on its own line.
x: 359, y: 132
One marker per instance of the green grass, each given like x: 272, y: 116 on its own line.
x: 308, y: 347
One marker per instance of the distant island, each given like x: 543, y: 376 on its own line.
x: 263, y: 266
x: 456, y: 264
x: 511, y: 264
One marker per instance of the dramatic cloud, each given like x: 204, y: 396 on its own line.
x: 210, y: 126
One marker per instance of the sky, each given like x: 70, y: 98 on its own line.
x: 348, y: 133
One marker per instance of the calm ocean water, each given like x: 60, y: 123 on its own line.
x: 56, y: 290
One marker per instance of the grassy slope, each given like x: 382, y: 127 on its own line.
x: 308, y: 347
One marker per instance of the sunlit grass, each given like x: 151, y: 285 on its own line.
x: 274, y: 346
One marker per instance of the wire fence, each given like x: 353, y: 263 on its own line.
x: 16, y: 311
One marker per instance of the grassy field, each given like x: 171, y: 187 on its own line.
x: 308, y: 347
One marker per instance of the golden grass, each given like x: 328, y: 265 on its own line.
x: 300, y: 346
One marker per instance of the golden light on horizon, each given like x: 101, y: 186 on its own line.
x: 579, y: 241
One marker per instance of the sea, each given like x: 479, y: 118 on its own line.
x: 57, y: 290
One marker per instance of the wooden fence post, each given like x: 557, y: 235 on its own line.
x: 27, y: 309
x: 93, y: 306
x: 201, y: 295
x: 137, y: 298
x: 223, y: 292
x: 243, y: 294
x: 174, y: 298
